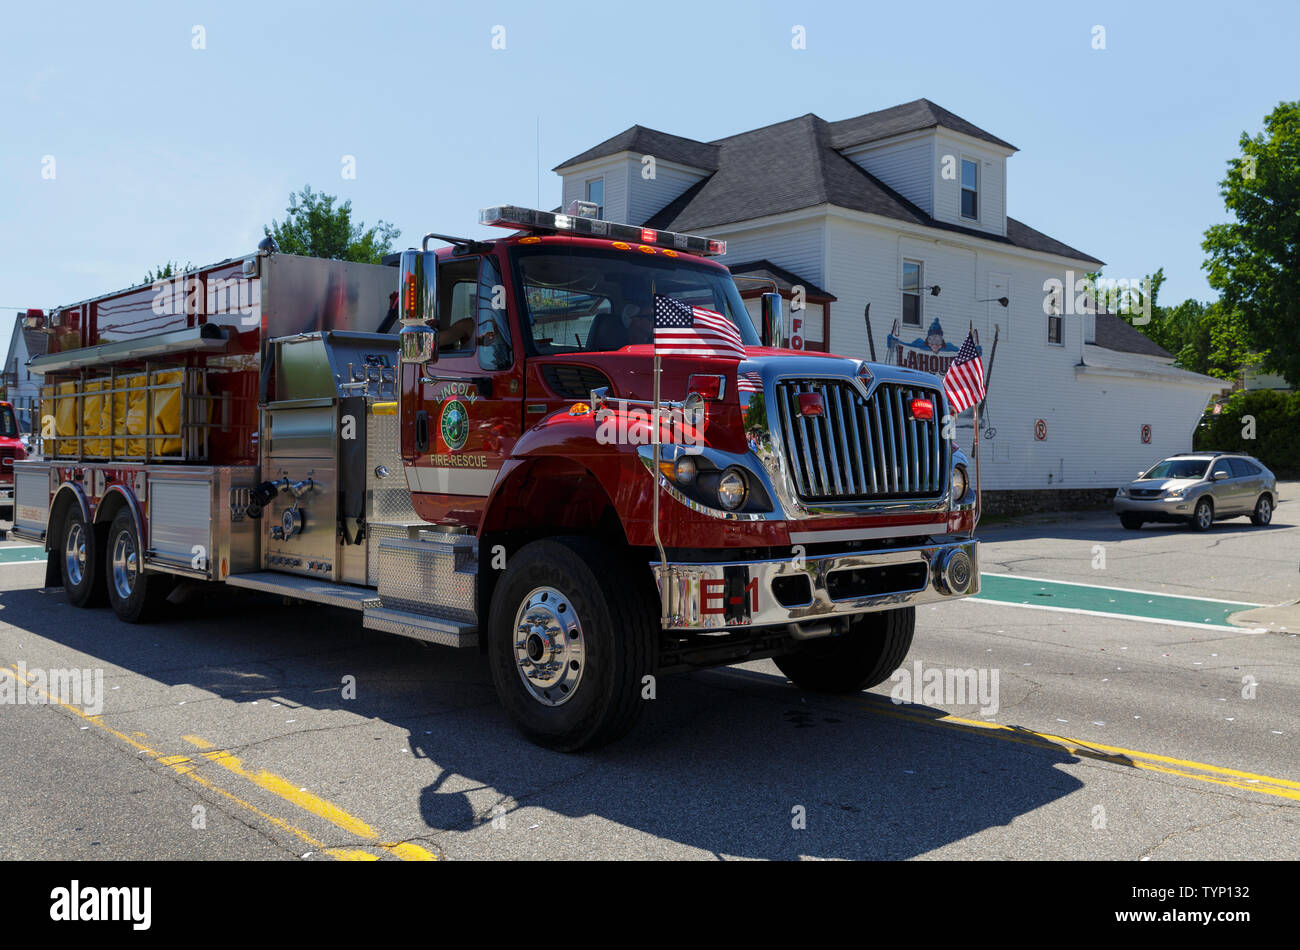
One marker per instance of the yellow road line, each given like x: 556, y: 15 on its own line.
x: 318, y: 806
x: 1147, y: 761
x: 182, y: 765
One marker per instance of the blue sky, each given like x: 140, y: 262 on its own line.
x: 165, y: 151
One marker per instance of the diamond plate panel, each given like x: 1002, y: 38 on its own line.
x: 429, y: 576
x: 387, y: 499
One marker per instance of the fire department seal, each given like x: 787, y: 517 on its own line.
x: 454, y: 424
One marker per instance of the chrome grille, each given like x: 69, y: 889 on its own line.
x: 860, y: 448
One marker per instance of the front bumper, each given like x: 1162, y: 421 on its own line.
x: 1155, y: 509
x: 798, y: 590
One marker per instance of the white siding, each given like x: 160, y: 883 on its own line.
x: 797, y: 247
x: 648, y: 195
x: 905, y: 167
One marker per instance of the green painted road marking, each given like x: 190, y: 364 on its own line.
x: 1084, y: 598
x: 22, y: 554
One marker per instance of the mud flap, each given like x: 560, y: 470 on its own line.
x: 53, y: 570
x: 352, y: 468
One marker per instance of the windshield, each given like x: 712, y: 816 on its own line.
x: 583, y: 299
x: 8, y: 425
x: 1178, y: 468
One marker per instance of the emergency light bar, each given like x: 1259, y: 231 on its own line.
x: 577, y: 222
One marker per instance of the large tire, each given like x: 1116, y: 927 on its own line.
x: 1132, y: 522
x: 1263, y: 512
x: 573, y: 613
x: 135, y: 594
x: 81, y: 558
x: 874, y: 646
x: 1202, y: 515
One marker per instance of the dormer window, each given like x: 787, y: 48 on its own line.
x: 596, y: 195
x: 970, y: 189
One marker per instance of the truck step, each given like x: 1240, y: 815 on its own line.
x: 307, y: 588
x: 447, y: 633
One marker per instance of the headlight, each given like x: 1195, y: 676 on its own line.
x: 959, y: 483
x: 1121, y: 492
x: 684, y: 471
x: 1175, y: 492
x: 732, y: 489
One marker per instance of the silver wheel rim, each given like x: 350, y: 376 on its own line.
x: 125, y: 565
x: 1204, y: 514
x: 550, y: 648
x: 1264, y: 510
x: 74, y: 554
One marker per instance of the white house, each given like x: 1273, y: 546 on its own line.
x: 905, y: 210
x: 21, y: 387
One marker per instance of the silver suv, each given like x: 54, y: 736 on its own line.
x: 1199, y: 488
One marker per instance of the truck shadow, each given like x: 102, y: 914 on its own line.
x: 727, y: 762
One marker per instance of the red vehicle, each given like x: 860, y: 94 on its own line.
x: 462, y: 451
x: 11, y: 450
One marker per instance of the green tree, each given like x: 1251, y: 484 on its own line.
x: 169, y: 269
x: 1212, y: 340
x: 1254, y: 261
x: 315, y: 227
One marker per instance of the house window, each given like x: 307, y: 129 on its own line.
x: 912, y: 293
x: 970, y: 189
x: 1054, y: 330
x: 596, y: 195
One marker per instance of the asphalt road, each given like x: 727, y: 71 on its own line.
x: 229, y: 731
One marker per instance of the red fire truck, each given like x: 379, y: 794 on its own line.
x: 463, y: 450
x: 11, y: 450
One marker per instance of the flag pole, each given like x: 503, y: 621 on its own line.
x: 658, y: 473
x: 975, y: 448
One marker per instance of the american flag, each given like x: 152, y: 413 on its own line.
x: 963, y: 384
x: 749, y: 383
x: 683, y: 330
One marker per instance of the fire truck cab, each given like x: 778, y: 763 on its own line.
x: 482, y: 447
x: 12, y: 450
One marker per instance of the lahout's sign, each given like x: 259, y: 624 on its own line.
x: 929, y: 354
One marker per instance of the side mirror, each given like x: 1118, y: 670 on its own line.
x: 1219, y: 476
x: 417, y: 302
x: 418, y: 344
x: 773, y: 323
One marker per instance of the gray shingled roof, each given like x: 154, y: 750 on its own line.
x: 909, y: 117
x: 1115, y: 333
x: 785, y: 279
x: 663, y: 146
x: 793, y: 165
x: 37, y: 342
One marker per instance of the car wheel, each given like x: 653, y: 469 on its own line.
x: 1203, y: 515
x: 1263, y: 511
x: 1132, y: 522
